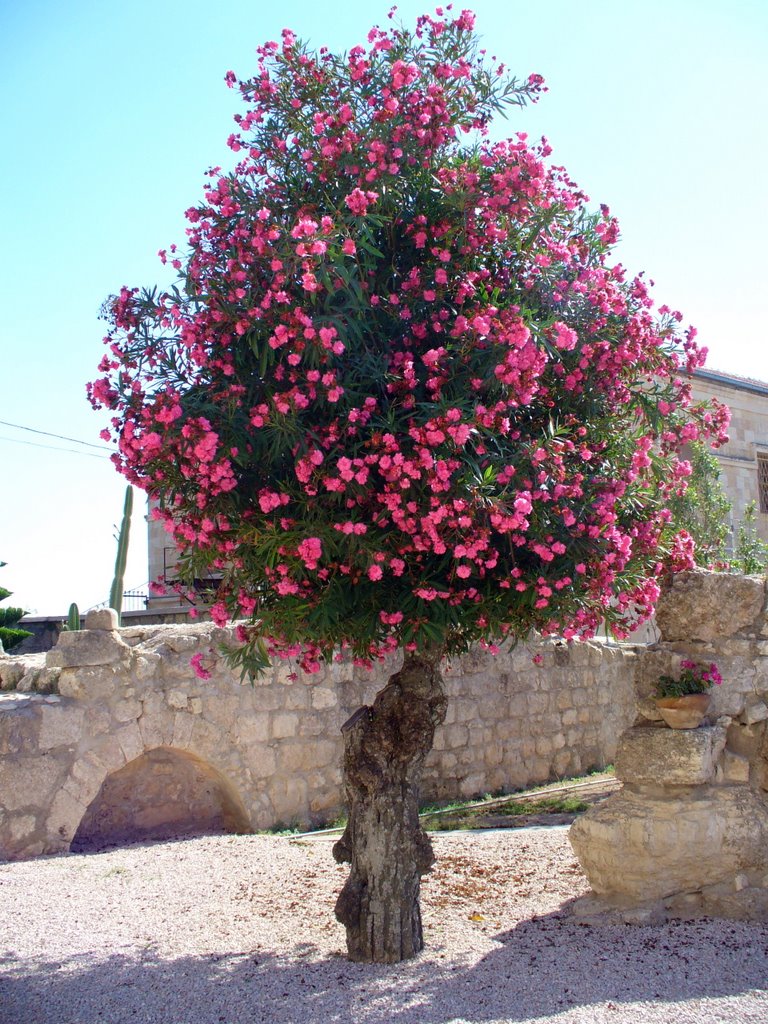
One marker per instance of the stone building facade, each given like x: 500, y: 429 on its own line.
x: 744, y: 460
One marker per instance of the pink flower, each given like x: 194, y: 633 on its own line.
x: 310, y: 551
x: 359, y: 201
x: 219, y: 614
x: 565, y: 337
x: 196, y: 661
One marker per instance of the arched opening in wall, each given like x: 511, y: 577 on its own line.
x: 163, y: 794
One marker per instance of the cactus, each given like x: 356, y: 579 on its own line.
x: 118, y: 583
x: 73, y: 617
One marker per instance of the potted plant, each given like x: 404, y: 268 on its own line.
x: 684, y: 700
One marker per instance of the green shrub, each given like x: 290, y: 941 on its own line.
x: 10, y: 637
x: 10, y: 616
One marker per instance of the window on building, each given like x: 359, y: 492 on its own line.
x: 762, y: 480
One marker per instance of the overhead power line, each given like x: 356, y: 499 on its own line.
x: 59, y: 437
x: 53, y: 448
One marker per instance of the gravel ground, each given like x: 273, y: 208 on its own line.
x: 240, y: 930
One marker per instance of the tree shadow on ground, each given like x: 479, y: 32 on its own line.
x: 548, y: 967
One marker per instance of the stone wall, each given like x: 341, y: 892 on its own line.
x: 111, y: 734
x: 688, y: 834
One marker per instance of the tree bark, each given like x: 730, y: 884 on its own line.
x: 384, y: 750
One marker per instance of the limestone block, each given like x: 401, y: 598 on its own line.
x: 746, y: 740
x: 490, y: 707
x: 65, y: 815
x: 30, y: 782
x: 472, y: 785
x: 711, y: 606
x: 253, y: 729
x: 10, y: 673
x: 156, y: 728
x: 102, y: 618
x: 86, y: 778
x: 755, y: 711
x: 97, y: 683
x: 208, y: 741
x: 183, y: 724
x: 561, y: 763
x: 538, y: 703
x: 153, y: 704
x: 268, y: 698
x: 296, y: 698
x: 669, y: 757
x: 19, y: 724
x: 447, y: 762
x: 70, y: 684
x: 223, y: 709
x: 39, y: 680
x: 146, y: 666
x: 284, y: 725
x: 544, y: 747
x: 477, y: 660
x: 108, y: 754
x: 133, y: 635
x: 21, y: 827
x: 129, y: 739
x: 183, y: 641
x: 735, y: 648
x: 87, y: 647
x: 126, y: 710
x: 733, y: 769
x: 196, y: 705
x: 635, y: 848
x: 61, y: 725
x: 550, y: 724
x: 325, y: 802
x: 176, y: 699
x: 493, y: 753
x: 456, y: 736
x: 323, y: 697
x: 298, y: 757
x: 296, y: 795
x: 262, y: 762
x: 737, y: 690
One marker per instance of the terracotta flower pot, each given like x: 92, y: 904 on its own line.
x: 683, y: 712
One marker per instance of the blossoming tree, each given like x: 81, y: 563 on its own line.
x: 400, y: 399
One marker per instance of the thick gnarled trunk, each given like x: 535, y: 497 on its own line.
x: 384, y: 750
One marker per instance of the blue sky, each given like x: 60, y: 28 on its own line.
x: 111, y: 113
